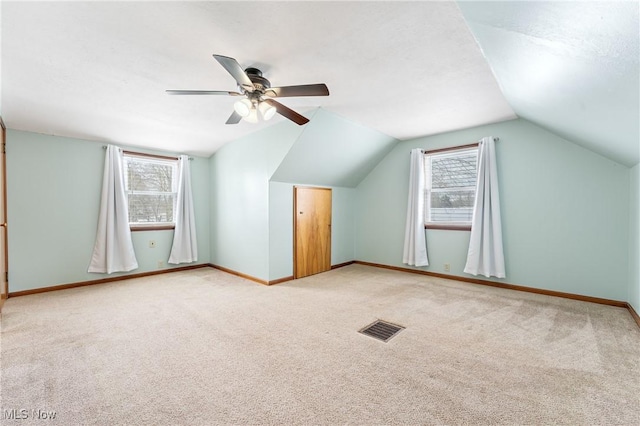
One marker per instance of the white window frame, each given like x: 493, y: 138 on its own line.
x: 443, y: 153
x: 152, y: 159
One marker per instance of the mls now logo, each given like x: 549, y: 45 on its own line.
x: 24, y: 414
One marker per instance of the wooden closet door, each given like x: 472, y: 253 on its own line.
x: 312, y: 231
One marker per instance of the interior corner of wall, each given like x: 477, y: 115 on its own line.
x: 314, y: 112
x: 297, y: 138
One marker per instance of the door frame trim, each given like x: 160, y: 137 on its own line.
x: 295, y: 228
x: 4, y: 293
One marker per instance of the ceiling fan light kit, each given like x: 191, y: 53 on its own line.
x: 258, y: 94
x: 252, y: 117
x: 266, y: 110
x: 243, y: 107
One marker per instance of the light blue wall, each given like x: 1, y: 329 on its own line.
x: 634, y: 239
x: 281, y: 227
x: 330, y: 152
x: 280, y: 230
x: 343, y: 225
x: 240, y: 174
x: 53, y: 190
x: 251, y: 217
x: 565, y: 212
x: 570, y: 217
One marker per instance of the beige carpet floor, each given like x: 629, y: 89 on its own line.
x: 204, y: 347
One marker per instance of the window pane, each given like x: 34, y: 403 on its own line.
x: 144, y: 208
x: 149, y: 176
x: 454, y: 170
x: 450, y: 186
x: 151, y: 186
x: 452, y: 206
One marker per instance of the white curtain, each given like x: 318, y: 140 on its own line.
x: 185, y: 246
x: 113, y: 249
x: 485, y: 254
x: 415, y: 241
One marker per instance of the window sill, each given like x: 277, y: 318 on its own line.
x: 152, y: 228
x: 449, y: 227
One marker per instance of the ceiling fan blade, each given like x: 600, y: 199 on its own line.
x: 233, y: 67
x: 201, y: 92
x: 303, y: 90
x: 234, y: 118
x: 287, y: 112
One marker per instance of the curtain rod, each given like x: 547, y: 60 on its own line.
x: 142, y: 154
x: 453, y: 148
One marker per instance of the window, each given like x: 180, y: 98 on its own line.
x: 450, y: 187
x: 151, y: 185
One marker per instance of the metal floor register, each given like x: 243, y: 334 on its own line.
x: 381, y: 330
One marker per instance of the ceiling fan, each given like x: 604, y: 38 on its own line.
x: 257, y: 94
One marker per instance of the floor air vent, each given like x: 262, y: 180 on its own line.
x: 381, y: 330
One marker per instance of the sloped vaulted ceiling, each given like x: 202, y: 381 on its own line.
x: 98, y: 70
x: 333, y: 151
x: 571, y: 67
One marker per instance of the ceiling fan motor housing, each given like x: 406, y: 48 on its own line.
x: 255, y: 75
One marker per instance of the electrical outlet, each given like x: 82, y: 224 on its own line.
x: 160, y: 264
x: 447, y: 267
x: 152, y: 244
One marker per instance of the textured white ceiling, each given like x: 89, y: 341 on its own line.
x: 572, y: 67
x: 98, y: 70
